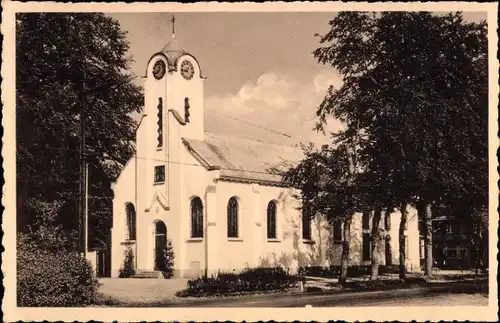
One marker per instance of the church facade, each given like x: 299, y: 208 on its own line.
x: 215, y: 197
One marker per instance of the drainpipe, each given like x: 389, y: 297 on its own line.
x: 135, y: 198
x: 205, y: 217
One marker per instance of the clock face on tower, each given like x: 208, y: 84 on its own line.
x: 187, y: 70
x: 159, y: 69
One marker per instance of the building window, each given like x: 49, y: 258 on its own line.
x: 160, y: 122
x: 196, y: 218
x: 186, y: 110
x: 337, y: 231
x: 271, y: 220
x: 366, y: 236
x: 306, y: 224
x: 366, y: 247
x: 388, y: 253
x: 232, y: 218
x: 366, y: 221
x: 131, y: 221
x: 159, y: 174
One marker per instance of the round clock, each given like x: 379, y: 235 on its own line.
x: 187, y: 70
x: 159, y: 69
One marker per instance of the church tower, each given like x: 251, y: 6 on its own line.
x: 174, y: 85
x: 173, y: 109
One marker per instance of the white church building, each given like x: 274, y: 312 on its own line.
x: 215, y: 196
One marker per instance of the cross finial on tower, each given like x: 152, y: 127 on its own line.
x: 173, y: 25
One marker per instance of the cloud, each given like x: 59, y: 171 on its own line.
x: 281, y: 102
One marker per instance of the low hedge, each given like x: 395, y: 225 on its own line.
x: 352, y: 271
x: 48, y: 278
x: 249, y: 280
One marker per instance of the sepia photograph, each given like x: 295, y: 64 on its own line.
x: 173, y: 158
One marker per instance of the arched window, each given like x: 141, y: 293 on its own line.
x: 337, y: 232
x: 366, y: 236
x: 131, y: 221
x: 271, y: 220
x: 232, y: 218
x: 306, y: 223
x: 196, y: 218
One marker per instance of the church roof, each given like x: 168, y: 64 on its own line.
x: 245, y: 160
x: 173, y: 49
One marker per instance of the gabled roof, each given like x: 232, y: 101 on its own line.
x: 244, y: 160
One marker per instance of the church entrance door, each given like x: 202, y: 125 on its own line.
x: 160, y: 245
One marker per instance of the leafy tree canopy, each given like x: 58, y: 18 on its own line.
x: 414, y: 101
x: 64, y: 61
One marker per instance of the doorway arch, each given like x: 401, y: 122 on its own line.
x: 160, y: 245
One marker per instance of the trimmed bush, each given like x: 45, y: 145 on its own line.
x: 47, y: 278
x: 352, y: 271
x: 249, y: 280
x: 128, y: 264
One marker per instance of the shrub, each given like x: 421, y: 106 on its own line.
x: 168, y: 257
x: 53, y: 278
x: 249, y: 280
x: 128, y: 264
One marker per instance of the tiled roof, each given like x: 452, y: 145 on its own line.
x: 245, y: 160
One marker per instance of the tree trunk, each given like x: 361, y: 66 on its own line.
x: 344, y: 262
x: 402, y: 247
x: 428, y: 239
x: 375, y: 243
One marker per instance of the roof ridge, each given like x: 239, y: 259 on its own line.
x: 249, y: 139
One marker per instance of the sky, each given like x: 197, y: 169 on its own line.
x: 259, y: 67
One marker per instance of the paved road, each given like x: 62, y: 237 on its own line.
x: 437, y: 296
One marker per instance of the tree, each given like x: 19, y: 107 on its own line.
x: 128, y: 269
x: 326, y: 181
x: 65, y: 61
x: 401, y: 68
x: 168, y: 258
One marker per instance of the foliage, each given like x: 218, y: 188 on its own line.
x: 321, y: 178
x: 49, y: 274
x: 168, y: 257
x: 398, y: 69
x: 249, y: 280
x: 45, y: 233
x: 353, y: 271
x: 479, y: 239
x: 128, y: 269
x: 65, y: 61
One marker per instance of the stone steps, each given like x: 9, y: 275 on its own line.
x: 148, y: 274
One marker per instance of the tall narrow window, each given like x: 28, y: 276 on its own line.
x: 388, y: 253
x: 337, y: 231
x: 366, y: 236
x: 366, y: 221
x: 159, y: 174
x: 271, y: 220
x: 232, y: 218
x: 131, y: 221
x: 160, y: 122
x: 196, y: 218
x: 306, y: 223
x: 366, y: 247
x: 186, y: 110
